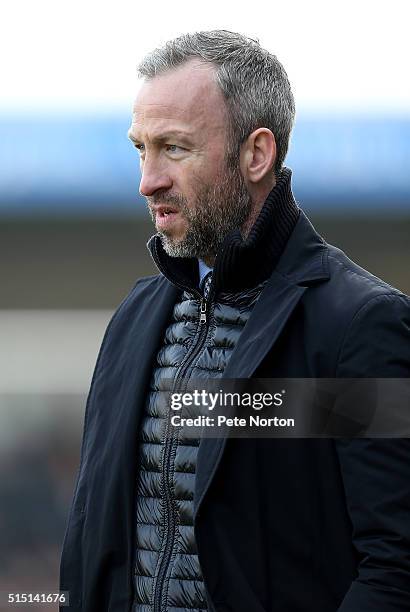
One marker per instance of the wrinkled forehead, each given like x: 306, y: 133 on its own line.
x: 186, y: 94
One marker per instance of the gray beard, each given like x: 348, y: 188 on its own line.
x: 218, y: 210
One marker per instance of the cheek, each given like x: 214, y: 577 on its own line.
x: 200, y: 181
x: 187, y: 186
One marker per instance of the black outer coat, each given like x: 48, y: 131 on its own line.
x: 282, y: 525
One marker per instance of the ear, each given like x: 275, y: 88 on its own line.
x: 258, y: 155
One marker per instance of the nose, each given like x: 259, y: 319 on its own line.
x: 153, y: 178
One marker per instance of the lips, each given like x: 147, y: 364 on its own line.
x: 167, y: 217
x: 164, y: 210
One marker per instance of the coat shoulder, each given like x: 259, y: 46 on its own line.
x: 144, y: 287
x: 367, y: 319
x: 350, y: 289
x: 141, y: 287
x: 123, y: 320
x: 365, y: 284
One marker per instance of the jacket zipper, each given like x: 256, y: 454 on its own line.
x: 170, y: 444
x: 202, y: 311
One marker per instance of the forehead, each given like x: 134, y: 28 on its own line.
x: 187, y: 96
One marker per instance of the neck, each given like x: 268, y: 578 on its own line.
x: 209, y: 260
x: 259, y: 194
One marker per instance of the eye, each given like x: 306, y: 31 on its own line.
x: 172, y: 148
x: 140, y: 147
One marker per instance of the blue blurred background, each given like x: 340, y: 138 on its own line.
x: 75, y: 165
x: 73, y: 228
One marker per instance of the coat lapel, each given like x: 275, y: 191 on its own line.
x: 122, y: 374
x: 304, y: 261
x: 150, y: 320
x: 268, y: 318
x: 103, y: 517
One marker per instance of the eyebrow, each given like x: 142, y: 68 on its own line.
x: 163, y: 137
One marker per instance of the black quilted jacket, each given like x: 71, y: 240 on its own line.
x: 168, y: 574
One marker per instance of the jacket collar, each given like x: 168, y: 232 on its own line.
x: 305, y: 257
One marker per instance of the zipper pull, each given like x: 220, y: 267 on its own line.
x: 202, y: 317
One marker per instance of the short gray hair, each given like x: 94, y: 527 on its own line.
x: 253, y: 82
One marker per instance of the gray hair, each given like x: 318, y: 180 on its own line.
x: 253, y: 82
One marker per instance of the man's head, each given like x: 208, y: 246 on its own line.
x: 212, y: 122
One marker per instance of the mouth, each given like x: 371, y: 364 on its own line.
x: 164, y: 215
x: 166, y: 212
x: 163, y: 210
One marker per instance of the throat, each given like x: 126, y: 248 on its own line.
x: 209, y: 260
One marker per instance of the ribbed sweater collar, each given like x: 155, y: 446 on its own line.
x: 240, y: 264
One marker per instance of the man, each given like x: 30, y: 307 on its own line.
x: 246, y: 288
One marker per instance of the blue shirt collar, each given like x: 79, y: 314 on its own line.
x: 203, y: 270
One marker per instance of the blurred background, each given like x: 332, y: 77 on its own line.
x: 73, y: 228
